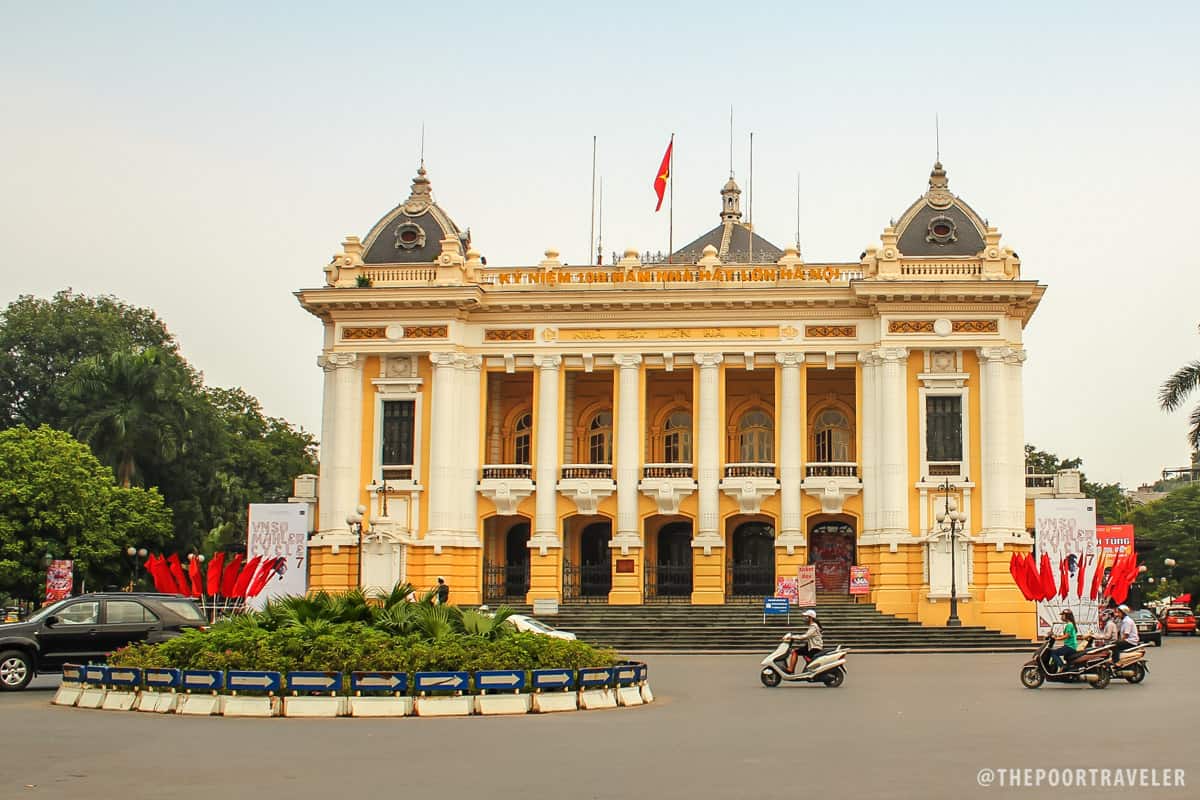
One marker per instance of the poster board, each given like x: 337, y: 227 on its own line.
x: 60, y: 580
x: 1065, y: 531
x: 787, y: 587
x: 279, y: 529
x: 806, y: 589
x: 860, y: 580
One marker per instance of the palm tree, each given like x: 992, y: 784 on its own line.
x: 1176, y: 389
x: 133, y: 409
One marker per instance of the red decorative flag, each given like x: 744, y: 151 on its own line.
x: 265, y: 573
x: 163, y: 582
x: 1047, y: 571
x: 1014, y: 567
x: 196, y: 579
x: 230, y: 576
x: 664, y: 174
x: 1079, y: 579
x: 1096, y: 579
x: 1032, y: 579
x: 243, y: 581
x: 1064, y: 580
x: 213, y: 579
x: 181, y: 582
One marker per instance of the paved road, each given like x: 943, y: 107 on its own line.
x: 901, y: 726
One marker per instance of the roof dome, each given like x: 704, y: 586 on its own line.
x: 735, y: 241
x: 939, y: 223
x: 412, y: 232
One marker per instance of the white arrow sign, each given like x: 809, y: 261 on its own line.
x: 257, y: 681
x: 121, y: 675
x: 320, y: 681
x: 378, y: 682
x: 554, y: 680
x: 452, y: 682
x: 497, y: 680
x: 201, y: 680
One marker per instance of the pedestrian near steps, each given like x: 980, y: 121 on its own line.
x: 443, y: 591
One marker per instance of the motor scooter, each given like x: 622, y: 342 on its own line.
x: 1093, y: 667
x: 1130, y: 664
x: 828, y: 666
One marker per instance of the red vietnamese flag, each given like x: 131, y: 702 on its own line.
x: 229, y: 578
x: 265, y: 573
x: 1046, y: 569
x: 1064, y: 579
x: 181, y: 582
x: 1079, y: 583
x: 664, y: 174
x: 243, y: 581
x: 194, y: 574
x: 213, y: 579
x: 1032, y: 579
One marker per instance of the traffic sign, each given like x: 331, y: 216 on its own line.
x: 389, y: 682
x: 441, y: 681
x: 626, y: 674
x: 643, y: 673
x: 776, y: 606
x: 254, y: 680
x: 158, y: 678
x: 94, y: 674
x: 553, y: 678
x: 205, y: 679
x: 72, y: 673
x: 314, y: 681
x: 594, y: 676
x: 500, y: 679
x: 124, y: 676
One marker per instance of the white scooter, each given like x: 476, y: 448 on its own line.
x: 827, y: 667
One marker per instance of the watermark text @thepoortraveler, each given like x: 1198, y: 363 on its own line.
x: 1084, y: 777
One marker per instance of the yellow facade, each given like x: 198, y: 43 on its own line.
x: 713, y: 426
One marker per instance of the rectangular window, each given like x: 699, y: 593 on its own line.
x: 943, y: 428
x: 398, y: 424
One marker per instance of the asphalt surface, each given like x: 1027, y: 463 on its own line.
x: 902, y: 726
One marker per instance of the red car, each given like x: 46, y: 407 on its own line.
x: 1179, y: 620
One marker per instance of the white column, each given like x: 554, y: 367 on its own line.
x: 790, y: 467
x: 469, y: 445
x: 569, y: 419
x: 995, y: 440
x: 870, y: 448
x: 443, y: 459
x: 708, y: 429
x: 628, y: 455
x: 325, y: 482
x: 495, y: 420
x: 545, y: 522
x: 341, y: 475
x: 1016, y: 442
x: 894, y: 463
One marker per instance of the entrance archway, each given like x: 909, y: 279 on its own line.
x: 752, y: 561
x: 670, y: 577
x: 508, y: 580
x: 831, y: 547
x: 587, y: 568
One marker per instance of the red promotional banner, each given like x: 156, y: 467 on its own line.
x: 806, y: 588
x: 60, y: 579
x: 860, y: 580
x: 1114, y: 541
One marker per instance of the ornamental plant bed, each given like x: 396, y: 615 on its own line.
x: 350, y: 632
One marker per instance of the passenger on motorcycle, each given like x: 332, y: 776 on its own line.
x: 1109, y: 632
x: 1128, y: 630
x: 1070, y: 640
x: 811, y: 637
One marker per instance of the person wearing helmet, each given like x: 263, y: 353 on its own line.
x: 808, y: 643
x: 1128, y: 634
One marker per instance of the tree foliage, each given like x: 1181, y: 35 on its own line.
x: 56, y: 498
x: 1172, y: 525
x: 1174, y: 393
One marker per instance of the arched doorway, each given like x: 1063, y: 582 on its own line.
x: 752, y: 561
x: 831, y: 546
x: 507, y: 580
x: 671, y: 575
x: 595, y: 560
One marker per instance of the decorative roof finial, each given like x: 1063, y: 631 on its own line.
x: 731, y: 202
x: 421, y: 196
x: 939, y: 195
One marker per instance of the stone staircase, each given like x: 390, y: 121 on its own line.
x: 739, y: 628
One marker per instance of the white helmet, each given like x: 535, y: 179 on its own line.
x: 811, y: 614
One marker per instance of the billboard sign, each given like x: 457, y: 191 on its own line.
x: 60, y: 579
x: 279, y: 529
x: 1065, y: 531
x: 806, y: 589
x: 860, y: 580
x: 787, y: 587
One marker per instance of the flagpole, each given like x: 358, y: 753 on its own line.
x: 592, y: 219
x: 751, y: 198
x: 671, y: 203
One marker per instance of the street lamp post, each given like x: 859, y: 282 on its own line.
x: 136, y: 554
x: 355, y: 523
x: 951, y: 520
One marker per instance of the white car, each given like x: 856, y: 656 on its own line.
x: 526, y: 624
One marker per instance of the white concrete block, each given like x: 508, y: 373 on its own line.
x: 380, y: 706
x: 549, y: 702
x: 647, y: 695
x: 203, y: 705
x: 156, y: 702
x: 92, y: 697
x: 241, y: 706
x: 119, y: 701
x: 503, y: 704
x: 461, y: 706
x: 67, y: 694
x: 592, y: 699
x: 314, y: 707
x: 629, y: 696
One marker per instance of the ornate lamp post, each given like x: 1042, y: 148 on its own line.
x: 951, y: 520
x: 136, y: 554
x: 354, y: 522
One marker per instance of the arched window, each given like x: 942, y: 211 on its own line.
x: 521, y: 439
x: 600, y: 438
x: 677, y: 438
x: 833, y: 436
x: 756, y: 437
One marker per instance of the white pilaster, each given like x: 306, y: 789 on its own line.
x: 1015, y: 477
x: 870, y: 442
x: 545, y: 523
x: 467, y: 498
x: 894, y: 462
x: 791, y: 535
x: 708, y: 450
x: 325, y: 483
x: 995, y: 457
x: 443, y: 458
x: 495, y: 420
x: 347, y: 435
x: 628, y: 455
x: 568, y: 444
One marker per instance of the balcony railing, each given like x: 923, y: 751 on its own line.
x: 831, y: 469
x: 508, y: 471
x: 1034, y: 481
x: 750, y: 469
x: 667, y: 471
x: 601, y: 471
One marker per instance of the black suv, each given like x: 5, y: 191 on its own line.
x: 85, y: 629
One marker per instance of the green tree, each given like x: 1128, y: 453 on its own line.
x: 56, y: 498
x: 1172, y: 525
x: 132, y: 408
x: 1112, y: 505
x: 41, y: 341
x: 1176, y: 390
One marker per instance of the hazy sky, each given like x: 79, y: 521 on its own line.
x: 206, y: 159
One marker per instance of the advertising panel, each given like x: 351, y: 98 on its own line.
x: 787, y: 587
x: 860, y: 580
x: 1065, y: 539
x: 806, y: 590
x: 60, y: 579
x: 279, y: 529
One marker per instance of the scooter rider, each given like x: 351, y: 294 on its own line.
x: 811, y: 638
x: 1128, y: 632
